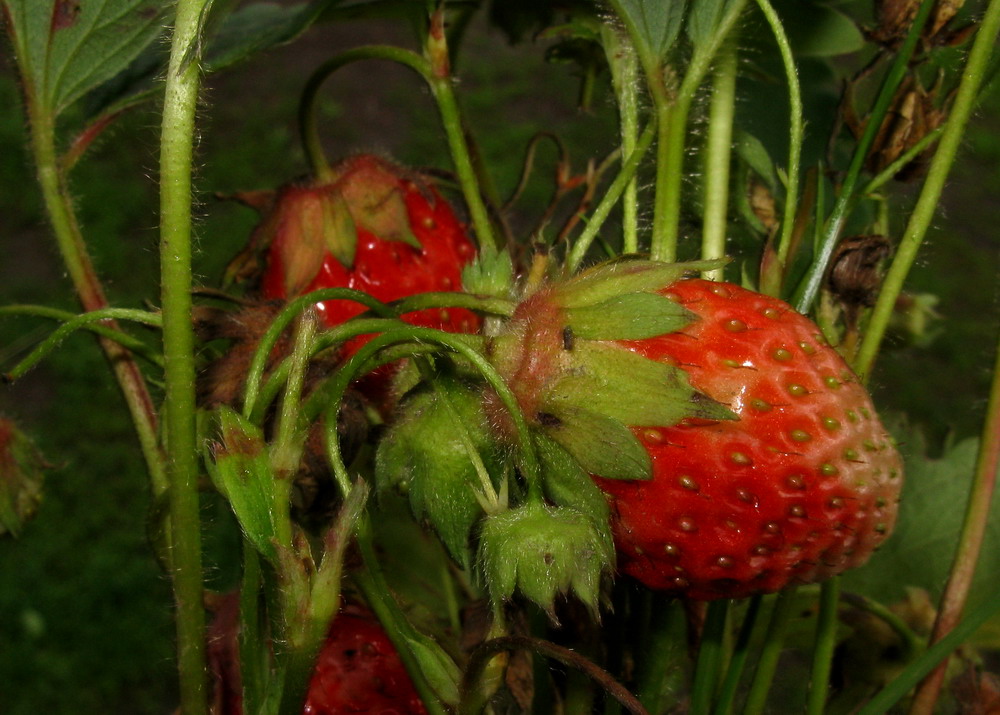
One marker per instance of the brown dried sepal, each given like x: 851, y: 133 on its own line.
x: 855, y: 273
x: 894, y: 17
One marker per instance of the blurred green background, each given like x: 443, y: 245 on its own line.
x: 85, y: 619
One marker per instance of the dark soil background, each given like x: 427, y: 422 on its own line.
x: 85, y: 622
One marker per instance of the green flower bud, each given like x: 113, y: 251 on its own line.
x: 545, y: 551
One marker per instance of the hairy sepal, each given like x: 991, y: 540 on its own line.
x: 602, y: 445
x: 436, y: 451
x: 544, y: 552
x: 240, y: 468
x: 623, y: 276
x: 624, y: 386
x: 632, y: 316
x: 565, y: 482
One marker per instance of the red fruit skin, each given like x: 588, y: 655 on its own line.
x: 385, y: 269
x: 802, y: 486
x: 357, y: 671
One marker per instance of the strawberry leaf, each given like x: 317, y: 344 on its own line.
x: 602, y: 445
x: 65, y: 48
x: 632, y: 316
x: 653, y: 25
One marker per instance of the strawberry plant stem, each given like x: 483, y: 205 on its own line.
x: 611, y: 196
x: 826, y: 641
x: 624, y: 65
x: 176, y: 151
x: 706, y: 672
x: 795, y: 128
x: 809, y: 288
x: 970, y: 543
x: 768, y: 663
x: 441, y: 89
x: 77, y: 322
x: 664, y: 627
x: 718, y: 156
x: 90, y: 294
x: 727, y: 691
x: 974, y: 74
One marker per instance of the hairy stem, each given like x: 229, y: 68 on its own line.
x: 176, y: 152
x: 795, y: 128
x: 831, y: 234
x: 718, y: 156
x: 930, y: 195
x: 970, y: 543
x: 768, y: 663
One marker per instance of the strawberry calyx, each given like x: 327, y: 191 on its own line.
x: 581, y: 389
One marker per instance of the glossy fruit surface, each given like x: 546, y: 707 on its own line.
x: 803, y: 485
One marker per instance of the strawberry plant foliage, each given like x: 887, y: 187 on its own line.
x: 575, y: 439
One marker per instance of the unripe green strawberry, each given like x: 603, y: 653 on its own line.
x: 797, y: 483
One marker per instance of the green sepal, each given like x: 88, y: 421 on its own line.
x: 602, y: 445
x: 377, y: 205
x: 339, y: 231
x: 632, y: 316
x: 627, y: 387
x: 565, y: 482
x: 622, y: 276
x: 435, y: 451
x: 241, y: 470
x: 545, y: 551
x: 491, y: 273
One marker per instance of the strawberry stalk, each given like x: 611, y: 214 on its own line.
x: 176, y: 151
x: 795, y: 128
x: 624, y: 65
x: 718, y: 154
x: 727, y: 691
x: 970, y: 542
x: 443, y: 94
x: 973, y: 76
x: 85, y: 321
x: 810, y: 286
x: 771, y: 651
x: 826, y: 642
x: 710, y: 657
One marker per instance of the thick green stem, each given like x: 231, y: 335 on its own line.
x: 176, y: 152
x: 970, y: 543
x: 706, y: 674
x: 624, y: 65
x: 671, y: 135
x: 768, y: 663
x: 831, y: 234
x: 795, y: 127
x: 718, y: 155
x: 930, y: 194
x: 90, y: 294
x: 727, y: 692
x: 826, y: 642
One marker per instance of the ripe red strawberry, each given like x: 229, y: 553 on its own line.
x: 357, y: 671
x: 799, y: 480
x: 801, y: 487
x: 376, y: 228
